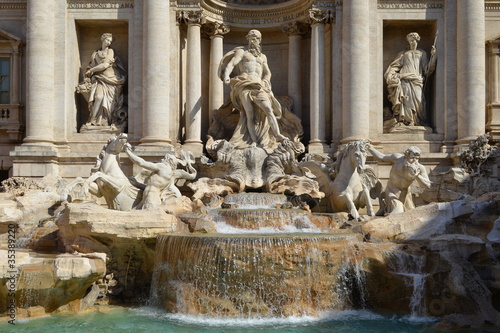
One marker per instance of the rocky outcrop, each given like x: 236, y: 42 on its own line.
x: 447, y: 256
x: 128, y: 239
x: 46, y: 283
x: 420, y: 223
x: 25, y: 212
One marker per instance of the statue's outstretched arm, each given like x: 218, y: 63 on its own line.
x: 140, y: 161
x: 422, y: 178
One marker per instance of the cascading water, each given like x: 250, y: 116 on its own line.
x: 249, y: 274
x: 411, y: 266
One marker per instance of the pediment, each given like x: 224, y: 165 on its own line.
x: 9, y: 42
x: 5, y: 36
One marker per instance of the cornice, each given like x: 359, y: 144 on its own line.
x: 13, y: 5
x: 413, y: 4
x: 263, y: 15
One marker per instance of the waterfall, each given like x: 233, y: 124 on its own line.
x: 262, y: 220
x: 411, y: 266
x: 266, y: 275
x: 255, y: 200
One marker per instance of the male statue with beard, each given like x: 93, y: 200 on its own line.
x: 396, y: 197
x: 251, y: 95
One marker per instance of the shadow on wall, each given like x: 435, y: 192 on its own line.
x: 4, y: 173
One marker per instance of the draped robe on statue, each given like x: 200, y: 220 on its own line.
x: 406, y: 91
x: 106, y: 94
x: 243, y: 89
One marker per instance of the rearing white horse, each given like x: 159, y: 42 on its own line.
x: 108, y: 180
x: 353, y: 180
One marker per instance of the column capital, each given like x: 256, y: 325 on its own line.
x: 295, y: 28
x: 215, y: 29
x: 191, y: 17
x: 320, y: 16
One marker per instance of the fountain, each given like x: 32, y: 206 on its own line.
x: 286, y: 271
x: 264, y: 235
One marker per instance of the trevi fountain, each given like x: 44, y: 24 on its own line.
x: 242, y: 165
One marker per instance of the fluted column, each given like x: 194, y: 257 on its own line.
x: 318, y: 19
x: 216, y: 31
x: 470, y: 69
x: 156, y: 79
x: 194, y: 20
x: 40, y: 55
x: 295, y: 30
x: 355, y: 70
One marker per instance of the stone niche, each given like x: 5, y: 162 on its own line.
x: 275, y: 45
x: 88, y: 39
x: 394, y: 41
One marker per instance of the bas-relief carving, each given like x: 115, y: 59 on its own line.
x: 102, y: 87
x: 406, y: 77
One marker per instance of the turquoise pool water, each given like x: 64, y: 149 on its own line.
x: 153, y: 320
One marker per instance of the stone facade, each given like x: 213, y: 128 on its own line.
x: 329, y: 57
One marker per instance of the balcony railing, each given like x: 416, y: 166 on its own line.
x: 10, y: 120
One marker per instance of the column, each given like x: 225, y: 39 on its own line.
x: 494, y: 58
x: 156, y: 78
x: 355, y: 70
x: 317, y: 18
x: 193, y: 142
x: 470, y: 69
x: 216, y: 31
x: 493, y: 107
x: 40, y: 58
x: 295, y: 30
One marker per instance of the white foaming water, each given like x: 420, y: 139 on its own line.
x: 301, y: 225
x: 245, y: 322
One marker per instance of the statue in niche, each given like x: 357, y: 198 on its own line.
x: 405, y: 78
x: 397, y: 198
x: 102, y: 87
x: 251, y: 95
x: 248, y: 128
x: 161, y: 177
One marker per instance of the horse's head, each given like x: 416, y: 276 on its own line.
x: 115, y: 145
x: 357, y: 151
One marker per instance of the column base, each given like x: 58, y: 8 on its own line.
x: 38, y: 141
x: 195, y: 147
x: 319, y: 147
x: 493, y: 124
x: 351, y: 139
x: 156, y: 141
x: 35, y: 160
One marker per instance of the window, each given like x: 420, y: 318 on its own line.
x: 4, y: 80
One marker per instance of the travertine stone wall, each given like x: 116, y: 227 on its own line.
x: 338, y: 83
